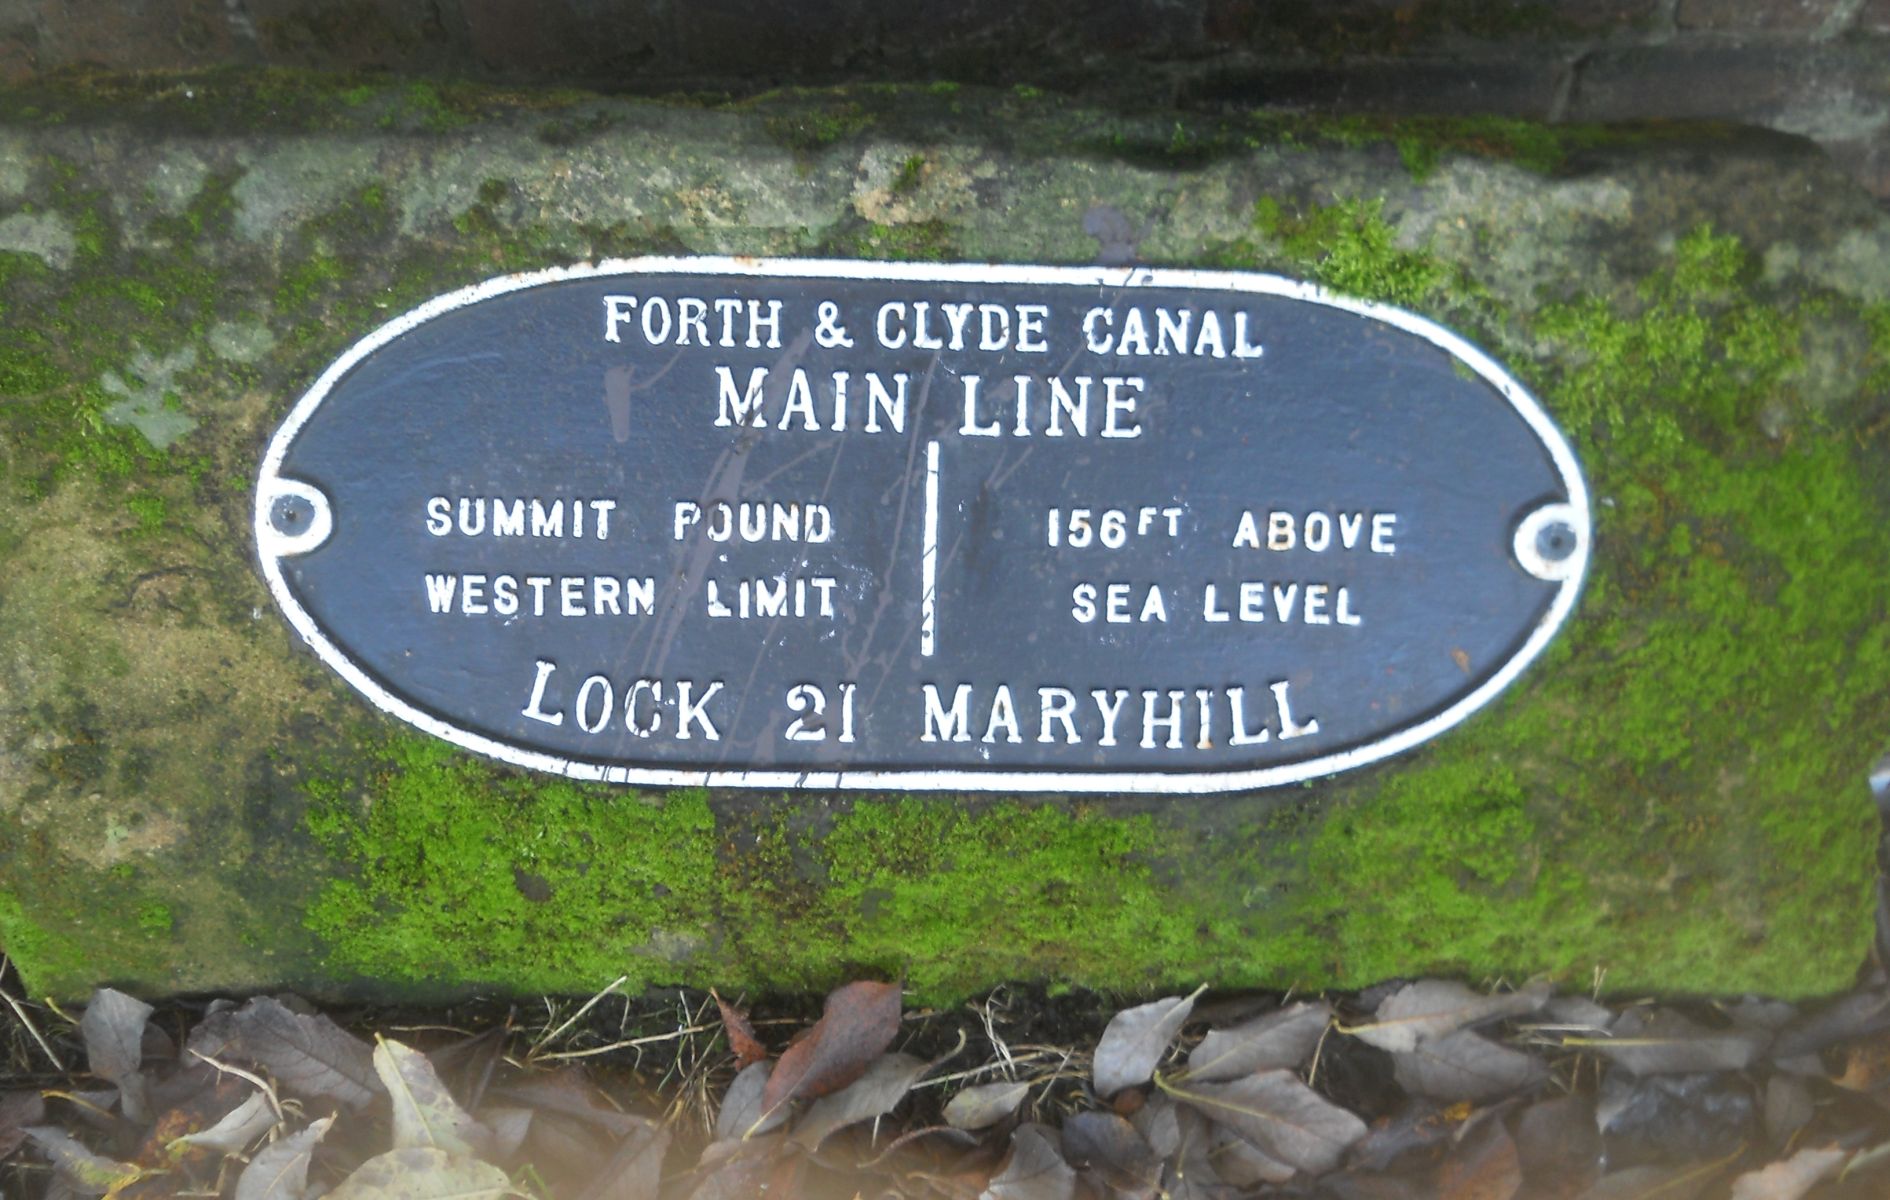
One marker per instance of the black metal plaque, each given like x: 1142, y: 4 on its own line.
x: 821, y: 524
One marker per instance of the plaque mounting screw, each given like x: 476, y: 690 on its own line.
x: 1551, y: 543
x: 292, y: 517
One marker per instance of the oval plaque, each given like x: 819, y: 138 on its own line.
x: 860, y: 525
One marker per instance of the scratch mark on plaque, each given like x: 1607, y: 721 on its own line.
x: 620, y: 384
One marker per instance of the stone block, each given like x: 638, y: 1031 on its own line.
x: 1672, y: 800
x: 1755, y: 16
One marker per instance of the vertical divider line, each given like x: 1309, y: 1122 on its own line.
x: 928, y: 558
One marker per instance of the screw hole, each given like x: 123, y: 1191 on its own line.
x: 291, y: 515
x: 1556, y: 541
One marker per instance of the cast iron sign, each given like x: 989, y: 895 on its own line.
x: 864, y: 525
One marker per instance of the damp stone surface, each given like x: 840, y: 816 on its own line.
x: 1673, y: 798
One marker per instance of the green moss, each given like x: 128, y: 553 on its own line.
x: 457, y: 873
x: 156, y: 919
x: 40, y: 957
x: 818, y: 126
x: 953, y: 898
x: 468, y: 875
x: 1349, y: 247
x: 149, y: 509
x: 918, y: 241
x: 906, y: 181
x: 1734, y: 621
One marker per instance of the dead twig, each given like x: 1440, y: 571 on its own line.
x: 26, y: 1022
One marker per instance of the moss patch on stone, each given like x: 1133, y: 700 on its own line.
x: 462, y: 874
x: 1733, y: 623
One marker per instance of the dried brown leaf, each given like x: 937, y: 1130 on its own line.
x: 873, y: 1094
x: 1559, y: 1147
x: 742, y: 1115
x: 424, y: 1173
x: 1242, y: 1163
x: 17, y: 1111
x: 1857, y: 1015
x: 1278, y: 1113
x: 984, y: 1105
x: 1791, y: 1178
x: 635, y: 1171
x: 1465, y: 1066
x: 1663, y: 1042
x: 113, y: 1029
x: 1432, y: 1008
x: 86, y: 1173
x: 425, y: 1113
x: 1655, y: 1183
x: 1159, y: 1123
x: 239, y: 1127
x: 1136, y: 1038
x: 741, y: 1035
x: 1110, y: 1147
x: 509, y: 1126
x: 1278, y: 1040
x: 857, y: 1024
x: 308, y: 1055
x: 1035, y: 1169
x: 568, y: 1093
x: 733, y: 1170
x: 1788, y: 1108
x: 1484, y: 1166
x: 279, y: 1171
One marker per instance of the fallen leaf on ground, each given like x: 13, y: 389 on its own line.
x: 857, y: 1024
x: 732, y: 1170
x: 874, y: 1094
x: 742, y: 1113
x: 1035, y: 1169
x: 1110, y: 1147
x: 1159, y: 1123
x: 1484, y: 1166
x: 238, y: 1128
x: 279, y: 1171
x: 425, y: 1113
x: 1559, y: 1146
x: 1432, y: 1008
x: 423, y: 1173
x: 1857, y: 1015
x: 1136, y: 1038
x: 17, y: 1111
x: 1283, y: 1039
x: 1465, y: 1066
x: 113, y: 1029
x: 308, y: 1055
x: 508, y: 1126
x: 1787, y: 1108
x: 1242, y: 1163
x: 567, y: 1093
x: 741, y: 1035
x: 635, y: 1171
x: 86, y: 1173
x: 984, y: 1105
x: 1655, y: 1183
x: 1281, y: 1115
x: 1663, y: 1042
x: 1790, y: 1179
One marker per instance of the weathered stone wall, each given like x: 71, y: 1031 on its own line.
x: 1807, y: 67
x: 1673, y: 799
